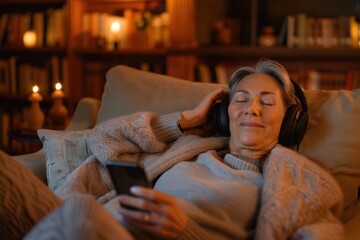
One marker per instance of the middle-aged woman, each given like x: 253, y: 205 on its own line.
x: 243, y: 187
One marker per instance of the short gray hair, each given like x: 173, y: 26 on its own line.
x: 271, y: 68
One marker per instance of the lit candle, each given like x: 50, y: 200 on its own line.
x: 115, y: 29
x: 29, y: 39
x: 35, y: 116
x: 58, y: 112
x: 58, y: 93
x: 35, y: 96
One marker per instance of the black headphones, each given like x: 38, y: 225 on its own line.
x: 293, y: 127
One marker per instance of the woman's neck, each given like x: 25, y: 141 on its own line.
x: 256, y: 155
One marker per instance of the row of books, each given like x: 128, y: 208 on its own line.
x: 133, y: 29
x: 18, y: 77
x: 95, y: 73
x: 308, y: 79
x: 301, y: 30
x: 219, y: 73
x: 7, y: 121
x: 327, y: 80
x: 49, y: 27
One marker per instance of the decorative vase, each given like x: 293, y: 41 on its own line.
x: 35, y: 118
x: 267, y: 38
x: 58, y: 113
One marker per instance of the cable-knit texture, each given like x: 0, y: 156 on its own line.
x: 80, y: 218
x: 141, y: 137
x: 300, y: 200
x: 24, y: 199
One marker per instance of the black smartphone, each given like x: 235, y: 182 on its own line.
x: 124, y: 175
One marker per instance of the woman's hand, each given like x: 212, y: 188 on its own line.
x: 196, y: 119
x: 158, y: 213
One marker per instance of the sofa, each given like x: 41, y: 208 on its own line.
x: 331, y: 139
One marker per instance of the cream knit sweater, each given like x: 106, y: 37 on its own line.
x: 299, y: 199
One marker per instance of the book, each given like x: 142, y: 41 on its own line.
x: 290, y: 36
x: 222, y: 75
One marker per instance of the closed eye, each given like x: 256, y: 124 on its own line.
x: 268, y: 103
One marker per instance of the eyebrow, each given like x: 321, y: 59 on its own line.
x: 261, y: 93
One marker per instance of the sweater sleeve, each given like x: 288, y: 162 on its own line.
x: 133, y: 135
x: 165, y: 127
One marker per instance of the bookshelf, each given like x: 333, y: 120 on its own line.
x: 216, y: 35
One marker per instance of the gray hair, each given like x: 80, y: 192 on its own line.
x: 271, y: 68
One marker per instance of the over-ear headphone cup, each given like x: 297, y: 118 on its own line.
x: 293, y: 127
x: 287, y: 131
x: 220, y: 118
x: 302, y: 126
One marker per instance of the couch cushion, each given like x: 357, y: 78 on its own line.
x: 332, y: 138
x: 64, y: 151
x: 136, y: 90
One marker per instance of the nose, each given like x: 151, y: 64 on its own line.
x: 254, y: 107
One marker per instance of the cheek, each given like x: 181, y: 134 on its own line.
x: 273, y: 121
x: 234, y: 111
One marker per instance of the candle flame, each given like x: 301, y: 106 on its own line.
x: 58, y: 86
x: 35, y: 88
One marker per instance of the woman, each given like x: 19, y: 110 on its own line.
x: 242, y: 187
x: 259, y: 99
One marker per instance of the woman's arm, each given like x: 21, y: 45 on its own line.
x: 145, y: 132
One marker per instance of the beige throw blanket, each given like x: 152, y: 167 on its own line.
x: 300, y: 200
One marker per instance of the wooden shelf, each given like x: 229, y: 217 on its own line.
x: 130, y: 56
x: 120, y: 52
x: 273, y: 52
x: 29, y: 5
x: 22, y: 51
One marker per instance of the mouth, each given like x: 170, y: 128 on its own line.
x: 251, y: 124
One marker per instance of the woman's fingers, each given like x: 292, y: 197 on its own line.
x: 197, y: 116
x: 151, y: 194
x: 159, y: 213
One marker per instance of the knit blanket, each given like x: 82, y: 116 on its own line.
x: 300, y: 200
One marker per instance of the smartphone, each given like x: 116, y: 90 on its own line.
x: 124, y: 175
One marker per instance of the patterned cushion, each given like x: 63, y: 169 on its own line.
x: 64, y: 151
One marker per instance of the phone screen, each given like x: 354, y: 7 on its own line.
x: 124, y: 175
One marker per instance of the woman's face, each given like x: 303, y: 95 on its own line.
x: 256, y: 112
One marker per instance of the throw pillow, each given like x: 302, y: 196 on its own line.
x: 64, y: 151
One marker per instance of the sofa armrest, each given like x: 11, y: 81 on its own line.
x: 35, y: 162
x: 84, y: 117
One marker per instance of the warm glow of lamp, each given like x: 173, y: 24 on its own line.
x: 115, y: 27
x: 29, y: 39
x: 115, y: 30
